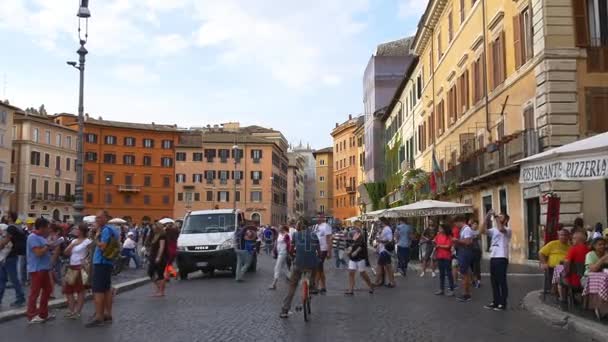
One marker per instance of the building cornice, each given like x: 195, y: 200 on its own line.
x: 427, y: 24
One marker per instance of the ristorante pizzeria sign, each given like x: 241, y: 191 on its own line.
x: 568, y: 169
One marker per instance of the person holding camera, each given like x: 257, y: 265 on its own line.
x: 499, y: 258
x: 385, y: 247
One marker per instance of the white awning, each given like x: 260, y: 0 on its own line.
x: 585, y: 159
x: 429, y: 208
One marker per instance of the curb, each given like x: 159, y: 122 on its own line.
x: 565, y: 320
x: 62, y: 303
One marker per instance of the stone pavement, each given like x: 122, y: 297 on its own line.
x: 218, y: 309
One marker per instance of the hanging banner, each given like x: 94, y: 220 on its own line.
x: 577, y: 169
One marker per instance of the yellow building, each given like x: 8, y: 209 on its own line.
x: 497, y: 81
x: 324, y: 183
x: 7, y: 186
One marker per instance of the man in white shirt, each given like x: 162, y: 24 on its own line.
x: 464, y: 245
x: 384, y: 255
x: 129, y: 249
x: 499, y: 258
x: 324, y: 233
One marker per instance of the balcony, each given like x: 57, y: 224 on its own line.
x: 39, y: 197
x: 350, y: 190
x: 497, y: 157
x: 129, y: 188
x: 7, y: 187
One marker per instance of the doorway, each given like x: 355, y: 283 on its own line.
x: 532, y: 227
x: 56, y: 215
x: 255, y: 217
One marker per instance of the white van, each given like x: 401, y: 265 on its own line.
x: 206, y: 242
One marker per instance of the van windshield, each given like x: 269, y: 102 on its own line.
x: 210, y: 223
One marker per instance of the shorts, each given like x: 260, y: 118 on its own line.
x: 465, y: 258
x: 78, y: 286
x: 156, y: 271
x: 454, y: 262
x: 322, y: 258
x: 384, y: 258
x: 427, y: 251
x: 358, y: 266
x: 101, y: 281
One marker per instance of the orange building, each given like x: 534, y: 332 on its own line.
x: 346, y: 168
x: 129, y: 168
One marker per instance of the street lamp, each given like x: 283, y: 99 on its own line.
x: 83, y: 18
x: 235, y: 149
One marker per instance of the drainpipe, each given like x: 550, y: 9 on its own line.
x: 485, y: 66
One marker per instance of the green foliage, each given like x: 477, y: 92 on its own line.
x: 393, y: 174
x: 414, y: 183
x: 376, y: 192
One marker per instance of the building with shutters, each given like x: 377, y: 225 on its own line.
x: 230, y: 166
x: 496, y: 82
x: 325, y: 181
x: 43, y: 167
x: 129, y: 168
x: 295, y: 186
x: 7, y: 185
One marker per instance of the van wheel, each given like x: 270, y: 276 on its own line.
x: 209, y: 272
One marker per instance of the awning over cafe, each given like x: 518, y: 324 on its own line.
x: 429, y: 208
x: 585, y: 159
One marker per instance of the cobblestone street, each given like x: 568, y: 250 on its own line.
x: 218, y: 309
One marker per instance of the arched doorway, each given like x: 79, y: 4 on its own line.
x: 56, y: 215
x: 256, y: 217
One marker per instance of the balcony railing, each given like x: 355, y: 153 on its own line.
x: 9, y: 187
x: 40, y: 197
x: 350, y: 189
x: 496, y: 156
x: 129, y: 188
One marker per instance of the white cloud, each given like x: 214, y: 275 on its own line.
x: 135, y: 73
x: 331, y: 80
x: 412, y: 8
x: 169, y: 44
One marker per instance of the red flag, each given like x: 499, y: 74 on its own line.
x: 436, y: 174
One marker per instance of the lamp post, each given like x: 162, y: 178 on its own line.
x: 83, y: 17
x: 235, y: 149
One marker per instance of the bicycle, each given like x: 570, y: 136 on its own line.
x: 306, y: 297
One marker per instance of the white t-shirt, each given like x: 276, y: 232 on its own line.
x: 129, y: 244
x: 385, y: 235
x: 292, y: 232
x: 281, y: 244
x: 499, y: 248
x: 466, y: 233
x: 323, y: 230
x: 79, y: 253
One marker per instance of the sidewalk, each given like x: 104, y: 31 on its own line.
x: 125, y: 281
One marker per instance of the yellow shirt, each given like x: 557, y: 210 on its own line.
x: 555, y: 252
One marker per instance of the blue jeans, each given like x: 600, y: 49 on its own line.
x: 338, y: 260
x: 403, y: 253
x: 23, y: 275
x: 445, y: 270
x: 243, y: 261
x: 9, y: 272
x: 131, y: 254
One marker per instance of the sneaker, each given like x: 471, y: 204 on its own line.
x: 36, y: 320
x: 323, y: 291
x: 500, y: 308
x: 284, y: 314
x: 464, y: 299
x: 439, y: 293
x: 477, y: 284
x: 422, y: 275
x: 94, y: 324
x: 50, y: 318
x: 75, y: 317
x: 68, y: 315
x: 433, y: 274
x: 490, y: 306
x: 314, y: 291
x: 450, y: 293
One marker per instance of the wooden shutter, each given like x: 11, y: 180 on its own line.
x: 466, y: 91
x: 503, y: 57
x: 597, y: 120
x: 517, y: 40
x: 581, y: 36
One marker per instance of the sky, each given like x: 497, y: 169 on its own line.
x: 292, y: 65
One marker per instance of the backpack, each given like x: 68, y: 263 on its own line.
x: 112, y: 250
x: 19, y: 240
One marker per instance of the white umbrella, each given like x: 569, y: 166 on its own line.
x: 89, y: 219
x: 166, y: 220
x: 117, y: 220
x: 429, y: 208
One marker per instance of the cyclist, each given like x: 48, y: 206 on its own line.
x: 307, y: 250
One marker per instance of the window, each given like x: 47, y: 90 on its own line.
x: 109, y: 178
x: 522, y: 36
x: 197, y: 156
x: 223, y: 196
x: 35, y: 135
x: 256, y: 155
x: 91, y: 138
x: 180, y: 196
x: 57, y: 185
x: 89, y: 198
x: 109, y: 140
x: 147, y: 180
x: 210, y: 176
x: 180, y: 178
x: 108, y: 198
x: 128, y: 159
x: 128, y: 179
x: 210, y: 155
x: 166, y: 181
x: 224, y: 154
x: 148, y: 143
x: 597, y: 102
x: 147, y: 199
x: 591, y: 23
x: 256, y: 176
x: 223, y: 177
x: 90, y: 178
x: 322, y: 162
x: 166, y: 162
x: 322, y: 209
x: 439, y: 51
x: 47, y: 160
x: 33, y: 188
x: 197, y: 196
x: 463, y: 94
x: 147, y: 161
x: 166, y: 199
x: 167, y: 144
x: 58, y: 163
x: 58, y: 140
x: 237, y: 196
x: 128, y: 199
x: 130, y: 141
x: 237, y: 154
x: 35, y: 158
x: 450, y: 27
x: 479, y: 89
x: 180, y: 156
x: 497, y: 58
x: 109, y: 158
x: 209, y: 196
x: 68, y: 163
x: 322, y: 179
x: 90, y: 156
x: 68, y: 142
x: 47, y: 137
x: 322, y: 194
x: 197, y: 178
x: 3, y: 115
x: 237, y: 176
x: 256, y: 196
x: 452, y: 106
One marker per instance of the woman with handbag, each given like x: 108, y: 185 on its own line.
x: 73, y: 284
x: 357, y: 254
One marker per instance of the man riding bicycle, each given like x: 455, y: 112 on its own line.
x: 307, y: 250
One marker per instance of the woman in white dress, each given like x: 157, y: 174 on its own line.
x: 282, y: 248
x: 74, y: 287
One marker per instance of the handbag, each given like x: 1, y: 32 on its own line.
x: 84, y: 275
x: 71, y: 276
x: 390, y: 246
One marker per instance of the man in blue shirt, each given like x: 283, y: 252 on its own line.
x: 307, y: 250
x: 101, y: 281
x: 404, y: 234
x: 38, y: 266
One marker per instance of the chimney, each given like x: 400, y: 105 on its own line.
x: 337, y: 125
x: 100, y: 118
x: 350, y: 116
